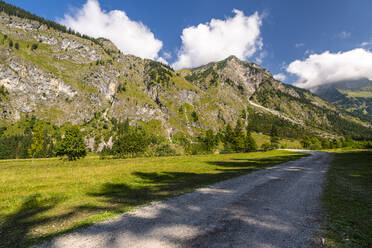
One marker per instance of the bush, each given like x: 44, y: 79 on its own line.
x: 194, y: 116
x: 34, y: 46
x: 164, y: 150
x: 130, y: 144
x: 16, y: 45
x: 72, y: 145
x: 266, y: 146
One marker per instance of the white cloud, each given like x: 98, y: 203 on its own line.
x: 280, y: 77
x: 167, y: 55
x: 162, y: 60
x: 309, y: 51
x: 363, y: 44
x: 261, y: 57
x: 129, y: 36
x: 297, y: 45
x: 344, y: 35
x: 330, y: 67
x: 366, y: 44
x: 239, y: 35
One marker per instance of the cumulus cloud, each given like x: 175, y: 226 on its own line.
x: 280, y: 77
x: 129, y: 36
x: 329, y: 67
x: 239, y: 35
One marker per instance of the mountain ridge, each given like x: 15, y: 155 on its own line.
x: 63, y: 77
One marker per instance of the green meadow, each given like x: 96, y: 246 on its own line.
x: 42, y: 198
x: 347, y: 200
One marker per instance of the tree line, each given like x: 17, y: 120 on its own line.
x: 12, y: 10
x: 33, y: 138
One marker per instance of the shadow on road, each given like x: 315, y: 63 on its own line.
x: 19, y: 228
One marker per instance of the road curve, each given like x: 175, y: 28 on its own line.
x: 276, y: 207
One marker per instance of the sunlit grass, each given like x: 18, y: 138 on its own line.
x: 347, y: 200
x: 44, y: 197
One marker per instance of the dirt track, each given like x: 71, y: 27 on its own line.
x: 277, y: 207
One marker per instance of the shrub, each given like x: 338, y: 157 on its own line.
x: 16, y: 45
x: 266, y: 146
x: 130, y: 144
x: 34, y: 46
x: 164, y: 150
x: 194, y: 116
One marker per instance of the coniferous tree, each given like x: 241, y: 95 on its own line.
x: 239, y: 137
x: 210, y: 141
x: 274, y: 139
x: 72, y: 145
x: 249, y: 143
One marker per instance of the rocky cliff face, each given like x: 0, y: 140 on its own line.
x: 65, y: 78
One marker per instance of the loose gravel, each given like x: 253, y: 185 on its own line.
x: 276, y: 207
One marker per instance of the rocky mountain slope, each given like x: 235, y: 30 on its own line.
x: 62, y: 77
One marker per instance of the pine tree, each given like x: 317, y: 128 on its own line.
x: 210, y: 141
x: 274, y: 139
x: 249, y: 143
x: 239, y: 137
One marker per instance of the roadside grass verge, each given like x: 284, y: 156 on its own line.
x: 347, y: 200
x: 43, y: 198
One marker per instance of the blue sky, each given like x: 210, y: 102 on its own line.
x: 290, y: 29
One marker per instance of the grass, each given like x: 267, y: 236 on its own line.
x: 43, y: 198
x: 347, y: 200
x: 284, y: 143
x: 363, y: 94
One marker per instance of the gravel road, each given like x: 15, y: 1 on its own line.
x: 276, y: 207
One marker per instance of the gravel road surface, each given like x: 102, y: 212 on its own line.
x: 276, y: 207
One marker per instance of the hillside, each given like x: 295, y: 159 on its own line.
x: 56, y: 75
x: 353, y: 96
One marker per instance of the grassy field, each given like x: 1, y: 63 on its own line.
x: 285, y: 143
x: 364, y: 94
x: 46, y: 197
x: 347, y: 200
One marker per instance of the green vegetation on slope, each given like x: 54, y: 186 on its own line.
x: 362, y: 94
x: 347, y: 200
x: 45, y: 197
x: 19, y: 12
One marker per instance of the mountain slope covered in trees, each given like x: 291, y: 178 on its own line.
x: 354, y: 96
x: 54, y: 77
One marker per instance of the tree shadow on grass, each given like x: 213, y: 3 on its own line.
x: 162, y: 185
x: 115, y: 197
x: 259, y: 162
x: 16, y: 228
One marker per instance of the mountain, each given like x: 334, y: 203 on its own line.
x: 60, y: 76
x: 354, y: 96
